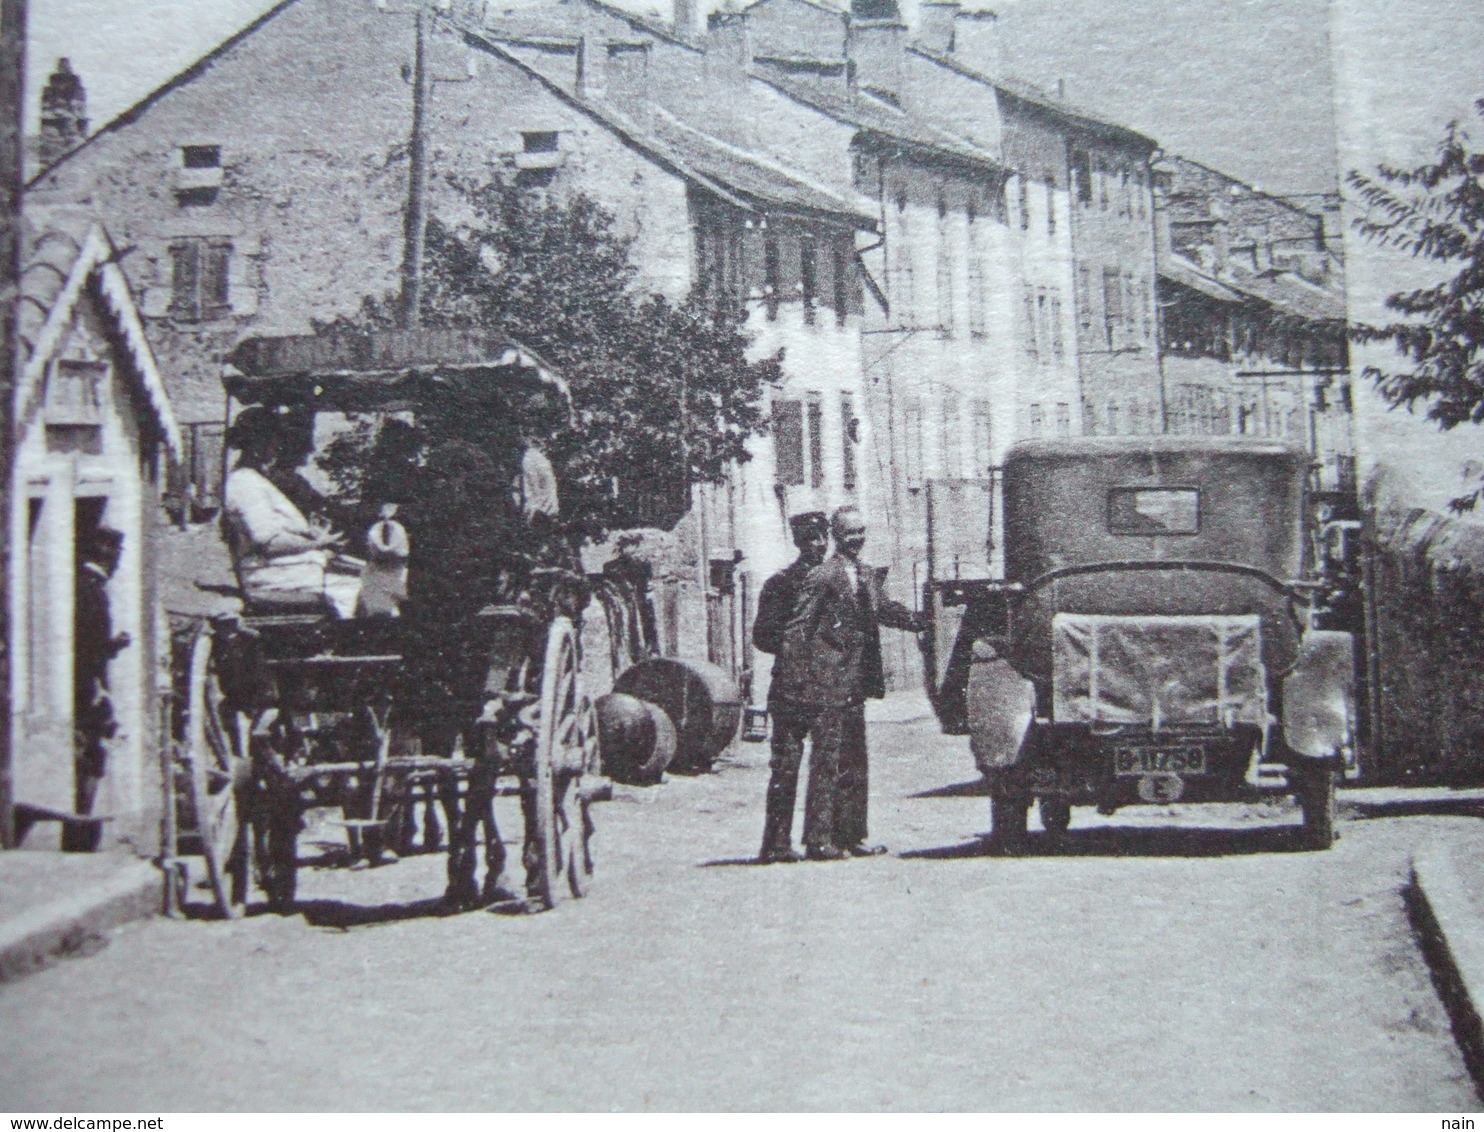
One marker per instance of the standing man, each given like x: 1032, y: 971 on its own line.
x: 95, y: 646
x: 775, y: 608
x: 831, y: 663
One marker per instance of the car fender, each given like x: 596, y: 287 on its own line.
x: 1319, y: 696
x: 1001, y: 707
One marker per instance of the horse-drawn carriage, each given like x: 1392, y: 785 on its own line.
x: 283, y: 706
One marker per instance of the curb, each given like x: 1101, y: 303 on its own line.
x: 1451, y: 934
x: 74, y: 925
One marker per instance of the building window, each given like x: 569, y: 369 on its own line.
x: 1114, y: 426
x: 978, y: 318
x: 1084, y: 296
x: 1082, y: 175
x: 815, y: 454
x: 540, y: 157
x: 1050, y: 205
x: 1058, y: 346
x: 849, y: 437
x: 1043, y: 326
x: 1144, y: 305
x: 1028, y: 296
x: 809, y: 278
x: 73, y: 407
x: 194, y: 488
x: 788, y: 443
x: 1023, y: 198
x: 912, y: 442
x: 1102, y: 173
x: 200, y: 156
x: 772, y: 276
x: 198, y: 176
x: 1063, y: 419
x: 841, y: 283
x: 1112, y: 301
x: 1126, y: 200
x: 951, y: 444
x: 1037, y: 420
x: 1139, y: 185
x: 982, y: 438
x: 946, y: 324
x: 903, y: 296
x: 199, y: 283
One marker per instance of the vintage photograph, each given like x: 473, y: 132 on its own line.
x: 750, y: 556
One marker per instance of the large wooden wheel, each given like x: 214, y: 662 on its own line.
x: 214, y: 753
x: 566, y: 751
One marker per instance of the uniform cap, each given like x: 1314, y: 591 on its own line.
x: 809, y: 522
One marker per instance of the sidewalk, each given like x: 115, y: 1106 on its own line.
x: 53, y: 905
x: 1447, y: 902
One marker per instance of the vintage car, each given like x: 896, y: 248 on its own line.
x: 1155, y: 636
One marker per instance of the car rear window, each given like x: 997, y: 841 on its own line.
x: 1154, y: 510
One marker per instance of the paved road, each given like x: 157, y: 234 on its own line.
x: 1163, y: 960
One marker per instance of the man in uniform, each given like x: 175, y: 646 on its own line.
x: 775, y: 607
x: 831, y: 663
x: 96, y: 646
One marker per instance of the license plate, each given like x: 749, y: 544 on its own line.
x: 1159, y: 760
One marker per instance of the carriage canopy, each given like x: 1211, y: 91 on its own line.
x: 383, y: 371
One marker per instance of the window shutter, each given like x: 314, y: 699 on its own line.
x: 816, y: 443
x: 788, y: 442
x: 185, y: 280
x: 215, y: 283
x: 847, y: 441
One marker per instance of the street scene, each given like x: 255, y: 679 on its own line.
x: 693, y: 978
x: 880, y: 555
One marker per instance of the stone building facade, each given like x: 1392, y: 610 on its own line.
x: 1253, y: 318
x: 267, y: 188
x: 95, y: 436
x: 949, y: 259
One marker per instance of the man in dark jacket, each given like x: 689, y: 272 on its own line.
x: 775, y: 607
x: 96, y: 644
x: 830, y: 662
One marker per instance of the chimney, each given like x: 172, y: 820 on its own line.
x: 728, y: 69
x: 729, y: 43
x: 64, y: 113
x: 976, y: 41
x: 875, y: 50
x: 592, y: 66
x: 686, y: 23
x: 936, y: 23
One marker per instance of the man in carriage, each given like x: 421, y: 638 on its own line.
x: 282, y: 558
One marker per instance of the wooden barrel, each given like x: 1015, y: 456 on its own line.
x: 702, y: 701
x: 636, y: 738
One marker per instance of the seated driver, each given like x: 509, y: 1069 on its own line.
x: 282, y: 559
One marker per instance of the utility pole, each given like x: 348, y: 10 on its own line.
x: 417, y: 179
x: 12, y: 184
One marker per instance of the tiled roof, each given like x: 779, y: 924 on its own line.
x: 1035, y: 96
x: 1187, y: 274
x: 67, y: 253
x: 746, y: 180
x: 1290, y: 294
x: 752, y: 175
x: 1285, y: 292
x: 885, y: 121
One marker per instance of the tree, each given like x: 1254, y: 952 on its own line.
x: 1434, y: 211
x: 663, y: 394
